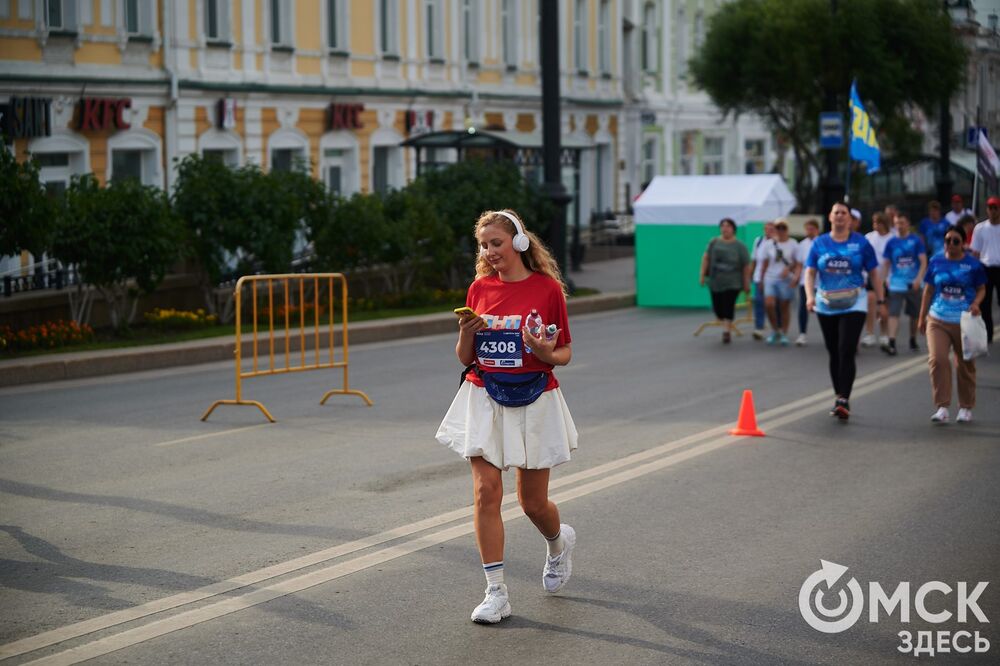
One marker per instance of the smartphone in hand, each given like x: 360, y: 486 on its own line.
x: 465, y: 312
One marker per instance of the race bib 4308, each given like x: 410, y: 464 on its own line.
x: 499, y: 349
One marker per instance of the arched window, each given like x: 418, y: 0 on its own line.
x: 288, y: 149
x: 135, y: 153
x: 338, y: 162
x: 386, y: 161
x: 224, y: 145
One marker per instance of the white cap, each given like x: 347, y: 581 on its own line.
x: 855, y: 213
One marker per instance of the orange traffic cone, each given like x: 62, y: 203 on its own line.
x: 746, y: 425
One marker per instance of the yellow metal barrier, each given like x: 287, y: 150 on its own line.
x: 288, y: 303
x: 746, y: 319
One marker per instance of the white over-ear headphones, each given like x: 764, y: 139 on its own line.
x: 521, y: 240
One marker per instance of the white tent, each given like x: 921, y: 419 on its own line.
x: 704, y: 200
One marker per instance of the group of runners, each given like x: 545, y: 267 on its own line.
x: 932, y: 273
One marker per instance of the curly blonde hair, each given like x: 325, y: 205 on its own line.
x: 536, y: 258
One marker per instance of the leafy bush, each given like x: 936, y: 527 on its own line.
x: 117, y: 235
x: 25, y: 208
x: 49, y: 335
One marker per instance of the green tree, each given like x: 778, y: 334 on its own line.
x: 349, y: 235
x: 25, y: 208
x: 776, y: 58
x: 240, y: 220
x: 122, y: 238
x: 461, y: 192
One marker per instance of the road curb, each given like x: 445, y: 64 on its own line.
x: 77, y: 365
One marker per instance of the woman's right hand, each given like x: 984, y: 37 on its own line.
x: 469, y: 324
x: 811, y: 304
x: 922, y: 325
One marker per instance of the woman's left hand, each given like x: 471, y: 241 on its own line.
x: 974, y: 310
x: 541, y: 346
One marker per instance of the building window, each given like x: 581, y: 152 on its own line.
x: 649, y: 37
x: 649, y: 166
x: 386, y: 168
x: 336, y: 25
x: 137, y: 18
x: 682, y: 46
x: 216, y: 20
x: 126, y: 164
x: 580, y: 36
x: 281, y: 23
x: 60, y: 15
x: 389, y: 27
x: 754, y: 155
x: 508, y: 31
x: 604, y: 37
x: 689, y: 153
x: 288, y: 159
x: 434, y: 29
x: 713, y: 156
x: 470, y: 31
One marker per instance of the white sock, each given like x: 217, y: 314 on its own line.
x: 494, y: 573
x: 554, y: 544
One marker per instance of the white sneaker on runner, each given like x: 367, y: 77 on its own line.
x: 495, y: 607
x: 883, y: 340
x: 559, y: 567
x: 941, y: 415
x: 868, y: 341
x: 964, y: 415
x: 801, y: 340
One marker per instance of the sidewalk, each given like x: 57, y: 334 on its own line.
x: 614, y: 278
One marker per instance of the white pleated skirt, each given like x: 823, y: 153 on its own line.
x: 536, y: 436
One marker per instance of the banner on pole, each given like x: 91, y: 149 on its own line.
x: 987, y: 161
x: 864, y: 145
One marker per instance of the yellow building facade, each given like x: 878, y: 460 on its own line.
x: 128, y: 87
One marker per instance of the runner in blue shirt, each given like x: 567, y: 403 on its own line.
x: 835, y: 290
x: 905, y: 261
x: 933, y: 228
x: 955, y: 282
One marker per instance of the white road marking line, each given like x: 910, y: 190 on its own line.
x: 207, y: 435
x: 780, y: 415
x: 258, y: 596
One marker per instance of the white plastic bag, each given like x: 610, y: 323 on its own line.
x: 973, y: 336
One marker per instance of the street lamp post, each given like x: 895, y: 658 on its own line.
x: 551, y: 148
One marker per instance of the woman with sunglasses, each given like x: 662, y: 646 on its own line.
x: 955, y: 282
x: 835, y: 291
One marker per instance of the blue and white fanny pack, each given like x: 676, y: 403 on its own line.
x: 511, y: 389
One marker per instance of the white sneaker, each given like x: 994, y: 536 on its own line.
x: 495, y: 607
x: 941, y: 415
x: 558, y: 568
x: 868, y: 341
x: 883, y: 340
x: 801, y: 340
x: 964, y: 415
x: 758, y: 334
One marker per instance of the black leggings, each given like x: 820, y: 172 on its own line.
x: 992, y: 285
x: 841, y: 334
x: 724, y: 303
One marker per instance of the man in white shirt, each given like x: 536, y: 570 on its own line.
x: 958, y: 210
x: 986, y: 246
x: 801, y: 254
x: 877, y: 237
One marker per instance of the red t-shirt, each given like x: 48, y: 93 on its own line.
x: 505, y: 306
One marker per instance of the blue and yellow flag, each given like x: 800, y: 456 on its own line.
x: 864, y: 145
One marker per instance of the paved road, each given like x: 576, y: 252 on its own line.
x: 130, y: 532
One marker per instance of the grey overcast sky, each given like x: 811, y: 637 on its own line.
x: 984, y: 8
